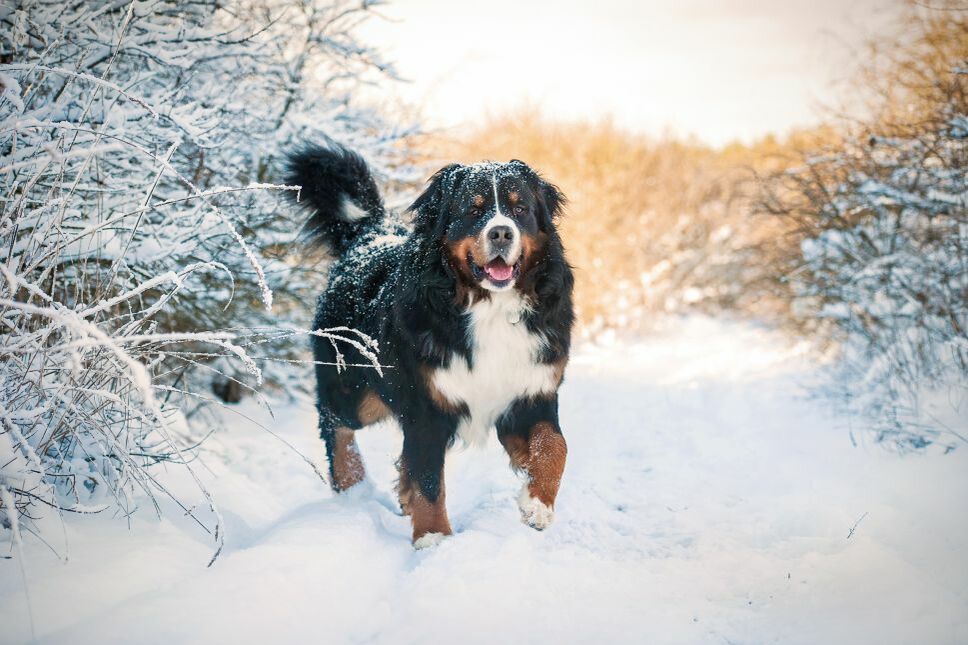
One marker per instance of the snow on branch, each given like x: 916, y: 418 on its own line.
x: 883, y: 262
x: 143, y: 234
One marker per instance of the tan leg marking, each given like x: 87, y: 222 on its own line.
x: 542, y: 457
x: 517, y: 449
x: 372, y: 409
x: 429, y: 519
x: 404, y: 487
x: 546, y: 462
x: 348, y: 467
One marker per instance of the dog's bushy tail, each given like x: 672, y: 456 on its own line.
x: 339, y: 192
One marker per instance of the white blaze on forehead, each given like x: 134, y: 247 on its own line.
x: 497, y: 201
x: 500, y: 219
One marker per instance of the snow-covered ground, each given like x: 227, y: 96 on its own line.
x: 705, y: 499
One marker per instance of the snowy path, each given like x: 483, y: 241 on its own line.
x: 704, y: 501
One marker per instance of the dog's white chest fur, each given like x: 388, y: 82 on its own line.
x: 505, y: 365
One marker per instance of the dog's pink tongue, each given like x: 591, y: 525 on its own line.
x: 498, y: 270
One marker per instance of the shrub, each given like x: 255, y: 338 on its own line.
x: 883, y: 218
x: 142, y: 245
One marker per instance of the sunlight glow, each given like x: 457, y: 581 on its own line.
x: 717, y: 70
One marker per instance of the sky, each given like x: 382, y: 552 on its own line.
x: 717, y: 70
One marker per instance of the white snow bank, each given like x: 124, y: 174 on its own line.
x: 705, y: 500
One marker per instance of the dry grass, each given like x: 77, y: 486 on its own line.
x: 652, y: 225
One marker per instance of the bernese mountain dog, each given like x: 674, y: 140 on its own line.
x: 471, y: 306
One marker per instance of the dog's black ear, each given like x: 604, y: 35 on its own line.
x: 554, y: 199
x: 429, y: 204
x: 550, y: 196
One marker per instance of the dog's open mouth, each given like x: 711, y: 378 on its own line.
x: 497, y: 271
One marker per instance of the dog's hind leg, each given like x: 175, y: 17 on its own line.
x: 345, y: 462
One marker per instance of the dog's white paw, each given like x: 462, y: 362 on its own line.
x: 534, y: 512
x: 428, y: 540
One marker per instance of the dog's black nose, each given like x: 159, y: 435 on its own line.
x: 500, y: 234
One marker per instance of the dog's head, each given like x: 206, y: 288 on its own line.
x: 493, y: 220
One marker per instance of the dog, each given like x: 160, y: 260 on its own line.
x: 470, y: 303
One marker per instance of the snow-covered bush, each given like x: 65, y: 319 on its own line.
x: 883, y: 217
x: 144, y: 250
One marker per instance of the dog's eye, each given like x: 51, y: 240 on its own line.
x: 474, y: 212
x: 518, y: 210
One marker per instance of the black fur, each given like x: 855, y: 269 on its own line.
x: 410, y: 297
x: 329, y: 175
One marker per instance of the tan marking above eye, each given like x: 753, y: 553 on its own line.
x: 513, y: 197
x: 477, y: 200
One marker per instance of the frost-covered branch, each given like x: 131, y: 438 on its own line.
x: 142, y: 232
x: 883, y: 263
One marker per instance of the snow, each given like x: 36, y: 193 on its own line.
x: 534, y: 512
x: 706, y: 499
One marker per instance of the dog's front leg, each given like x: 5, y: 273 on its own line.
x: 530, y: 433
x: 421, y: 484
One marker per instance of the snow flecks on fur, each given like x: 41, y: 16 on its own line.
x: 705, y: 500
x: 382, y: 246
